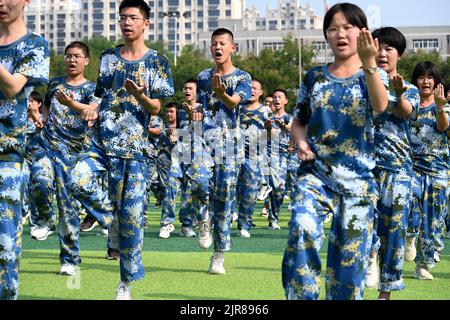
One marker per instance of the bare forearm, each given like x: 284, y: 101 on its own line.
x: 79, y: 107
x: 11, y: 84
x: 442, y: 121
x: 404, y: 108
x: 377, y: 92
x: 151, y: 105
x: 230, y: 102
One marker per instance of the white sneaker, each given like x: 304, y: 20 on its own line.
x: 264, y: 192
x: 166, y: 230
x: 328, y: 218
x: 187, y: 232
x: 422, y: 274
x: 102, y: 232
x: 373, y: 274
x: 410, y: 249
x: 235, y: 217
x: 67, y: 269
x: 244, y: 233
x: 41, y: 233
x: 204, y: 239
x: 216, y: 265
x: 274, y: 226
x: 123, y: 292
x: 264, y: 212
x: 436, y: 257
x: 25, y: 217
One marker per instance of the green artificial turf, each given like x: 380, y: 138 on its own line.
x: 177, y: 269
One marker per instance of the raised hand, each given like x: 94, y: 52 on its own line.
x: 304, y: 151
x: 90, y: 116
x: 217, y: 85
x: 439, y: 96
x: 65, y: 99
x: 134, y: 89
x: 36, y: 116
x: 399, y: 85
x: 367, y: 48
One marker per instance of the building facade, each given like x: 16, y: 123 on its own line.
x: 175, y: 22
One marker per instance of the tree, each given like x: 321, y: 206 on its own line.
x: 279, y: 69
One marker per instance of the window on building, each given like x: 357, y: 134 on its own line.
x: 200, y: 13
x: 112, y: 16
x: 60, y: 16
x: 213, y: 13
x: 188, y: 36
x: 274, y: 46
x: 97, y: 5
x: 228, y: 13
x: 200, y: 25
x: 228, y: 2
x: 212, y: 25
x: 173, y: 2
x: 98, y: 16
x: 200, y: 2
x: 320, y: 45
x: 112, y: 5
x: 188, y: 2
x: 188, y: 25
x: 212, y: 2
x: 112, y: 27
x: 427, y: 44
x: 98, y: 27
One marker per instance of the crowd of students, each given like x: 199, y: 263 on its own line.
x: 364, y: 148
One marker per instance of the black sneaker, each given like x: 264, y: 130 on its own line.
x: 112, y: 254
x: 88, y: 223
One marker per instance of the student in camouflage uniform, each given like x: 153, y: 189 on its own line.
x: 252, y: 119
x: 24, y: 63
x: 333, y: 128
x: 221, y: 90
x: 132, y: 80
x: 60, y: 142
x: 394, y: 168
x: 431, y: 157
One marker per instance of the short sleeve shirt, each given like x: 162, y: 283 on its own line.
x: 123, y: 121
x: 429, y: 145
x: 340, y: 129
x: 30, y: 57
x: 65, y: 124
x: 392, y: 135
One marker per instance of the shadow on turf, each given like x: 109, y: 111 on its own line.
x: 175, y: 296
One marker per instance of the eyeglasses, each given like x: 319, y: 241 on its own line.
x: 133, y: 19
x: 76, y: 57
x: 334, y: 31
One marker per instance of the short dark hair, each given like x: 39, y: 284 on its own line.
x: 392, y: 37
x: 191, y: 80
x: 171, y: 105
x: 140, y: 4
x: 78, y: 44
x: 268, y: 96
x: 426, y: 68
x: 353, y: 13
x: 281, y: 90
x: 259, y: 81
x: 36, y: 96
x: 222, y: 31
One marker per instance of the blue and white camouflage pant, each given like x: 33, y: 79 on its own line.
x: 11, y: 192
x: 50, y: 174
x: 126, y: 202
x: 277, y: 180
x: 349, y: 241
x: 223, y: 203
x: 393, y: 208
x: 428, y: 217
x: 248, y: 185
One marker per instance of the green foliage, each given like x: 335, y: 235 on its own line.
x: 409, y: 61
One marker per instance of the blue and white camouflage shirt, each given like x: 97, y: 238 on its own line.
x: 123, y: 121
x: 30, y: 57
